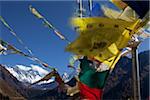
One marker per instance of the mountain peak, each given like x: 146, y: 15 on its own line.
x: 28, y: 74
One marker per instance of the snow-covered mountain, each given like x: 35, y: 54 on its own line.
x: 68, y: 76
x: 29, y: 74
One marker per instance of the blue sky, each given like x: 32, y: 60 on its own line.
x: 42, y: 41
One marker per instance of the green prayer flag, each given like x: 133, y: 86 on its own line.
x: 90, y: 76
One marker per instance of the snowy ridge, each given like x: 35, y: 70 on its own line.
x: 68, y: 76
x: 29, y: 74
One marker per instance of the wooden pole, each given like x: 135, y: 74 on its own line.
x: 135, y: 75
x: 80, y: 8
x: 90, y: 6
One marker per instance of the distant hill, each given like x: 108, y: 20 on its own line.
x: 56, y: 95
x: 12, y: 89
x: 9, y: 85
x: 119, y: 85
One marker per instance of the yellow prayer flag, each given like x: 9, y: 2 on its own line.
x: 35, y: 12
x: 102, y: 37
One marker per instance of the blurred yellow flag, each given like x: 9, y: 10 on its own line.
x: 101, y: 37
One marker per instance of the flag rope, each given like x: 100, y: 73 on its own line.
x: 48, y: 24
x: 14, y: 34
x: 17, y: 51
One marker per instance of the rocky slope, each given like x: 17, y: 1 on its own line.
x: 119, y: 83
